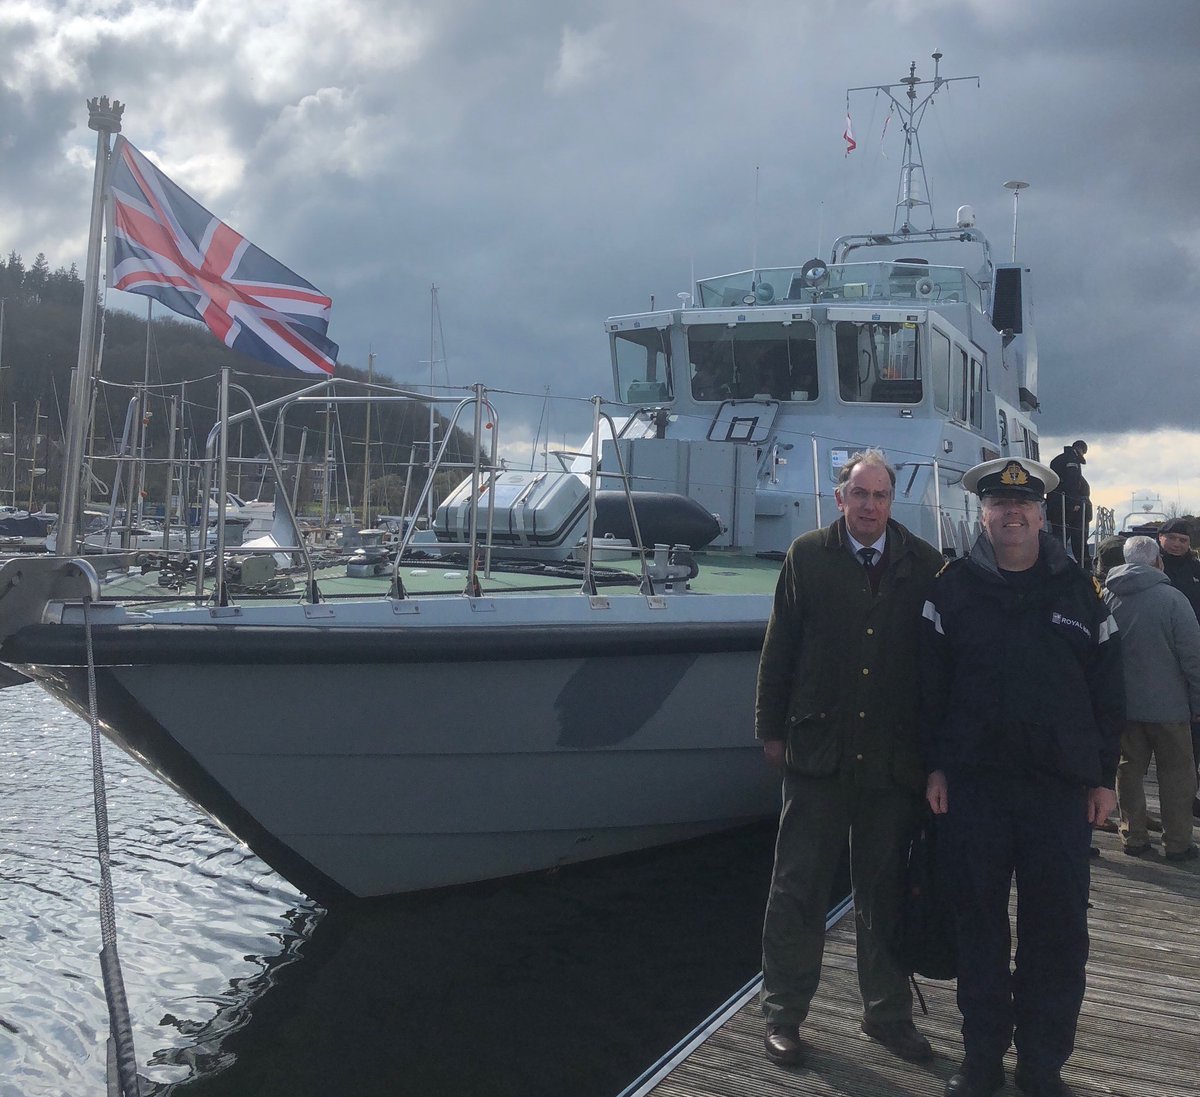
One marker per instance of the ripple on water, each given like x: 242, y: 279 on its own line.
x: 198, y: 917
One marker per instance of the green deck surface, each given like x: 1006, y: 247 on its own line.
x: 720, y: 573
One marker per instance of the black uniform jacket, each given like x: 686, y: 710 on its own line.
x: 838, y: 674
x: 1021, y: 676
x: 1184, y: 573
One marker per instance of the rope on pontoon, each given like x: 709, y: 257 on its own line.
x: 122, y: 1060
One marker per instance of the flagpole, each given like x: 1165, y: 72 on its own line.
x: 105, y: 118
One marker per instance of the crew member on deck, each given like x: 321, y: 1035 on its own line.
x: 1069, y: 506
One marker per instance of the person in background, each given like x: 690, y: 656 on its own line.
x: 710, y: 381
x: 1183, y: 569
x: 1069, y: 506
x: 1179, y: 562
x: 1023, y: 703
x: 837, y: 710
x: 1110, y: 553
x: 1160, y: 651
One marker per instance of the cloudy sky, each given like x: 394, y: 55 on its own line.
x: 548, y: 163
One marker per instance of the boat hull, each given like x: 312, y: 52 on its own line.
x: 363, y: 763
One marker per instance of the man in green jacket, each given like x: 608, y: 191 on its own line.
x: 837, y: 710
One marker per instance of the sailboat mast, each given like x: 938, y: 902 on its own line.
x: 105, y: 118
x: 37, y: 415
x: 367, y: 445
x: 433, y: 307
x: 325, y: 479
x: 144, y: 417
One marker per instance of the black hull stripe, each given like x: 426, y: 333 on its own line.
x: 165, y: 644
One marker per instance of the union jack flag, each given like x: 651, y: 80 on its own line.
x: 164, y: 244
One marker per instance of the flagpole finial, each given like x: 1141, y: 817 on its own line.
x: 103, y: 116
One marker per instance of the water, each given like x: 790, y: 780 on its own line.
x: 563, y: 983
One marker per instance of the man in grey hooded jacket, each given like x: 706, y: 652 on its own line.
x: 1160, y: 647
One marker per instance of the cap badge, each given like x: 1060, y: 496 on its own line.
x: 1014, y: 476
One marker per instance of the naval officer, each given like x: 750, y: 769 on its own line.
x: 1024, y: 703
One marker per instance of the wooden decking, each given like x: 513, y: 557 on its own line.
x: 1139, y: 1033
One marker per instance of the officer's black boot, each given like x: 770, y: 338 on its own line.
x: 971, y: 1081
x: 1041, y: 1085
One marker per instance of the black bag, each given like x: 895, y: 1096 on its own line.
x: 923, y: 939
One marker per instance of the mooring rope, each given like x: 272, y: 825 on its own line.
x: 121, y: 1055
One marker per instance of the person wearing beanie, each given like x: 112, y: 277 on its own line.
x: 1183, y: 570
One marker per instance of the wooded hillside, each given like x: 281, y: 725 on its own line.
x: 39, y: 347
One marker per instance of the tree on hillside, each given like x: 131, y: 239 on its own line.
x: 41, y: 347
x: 12, y: 274
x: 37, y: 276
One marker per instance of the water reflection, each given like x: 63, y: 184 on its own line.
x: 196, y: 914
x: 561, y: 983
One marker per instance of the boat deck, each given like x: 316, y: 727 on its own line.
x: 720, y: 573
x: 1139, y: 1033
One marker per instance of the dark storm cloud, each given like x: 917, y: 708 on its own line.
x: 548, y: 165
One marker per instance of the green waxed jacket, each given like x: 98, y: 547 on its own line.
x: 838, y: 675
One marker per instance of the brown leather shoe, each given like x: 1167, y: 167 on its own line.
x: 901, y: 1038
x: 784, y: 1045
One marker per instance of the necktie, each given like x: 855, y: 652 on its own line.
x: 867, y: 556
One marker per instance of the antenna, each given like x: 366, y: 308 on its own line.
x: 1016, y: 186
x: 914, y: 186
x: 754, y: 232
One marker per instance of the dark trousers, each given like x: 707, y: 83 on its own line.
x: 819, y: 813
x: 1000, y: 825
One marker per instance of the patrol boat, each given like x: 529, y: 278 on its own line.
x: 429, y: 728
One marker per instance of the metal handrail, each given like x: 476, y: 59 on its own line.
x: 220, y: 592
x: 589, y: 582
x: 478, y: 401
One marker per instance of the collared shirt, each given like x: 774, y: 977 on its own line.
x: 856, y: 547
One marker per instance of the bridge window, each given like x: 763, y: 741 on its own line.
x: 878, y: 363
x: 940, y: 368
x: 961, y: 384
x: 976, y: 408
x: 741, y: 361
x: 643, y: 364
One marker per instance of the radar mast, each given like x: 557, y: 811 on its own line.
x: 911, y: 105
